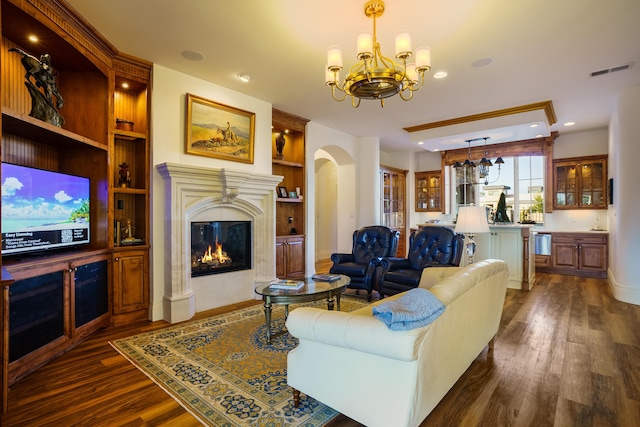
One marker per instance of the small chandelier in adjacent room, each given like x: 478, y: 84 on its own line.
x: 376, y: 76
x: 467, y: 163
x: 484, y: 165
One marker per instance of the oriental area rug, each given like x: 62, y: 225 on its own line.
x: 222, y: 371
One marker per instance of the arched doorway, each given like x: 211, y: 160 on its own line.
x: 334, y: 183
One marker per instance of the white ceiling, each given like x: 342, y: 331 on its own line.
x: 541, y: 50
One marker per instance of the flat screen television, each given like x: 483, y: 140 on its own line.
x: 43, y: 210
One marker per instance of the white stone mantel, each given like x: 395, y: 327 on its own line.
x: 195, y: 193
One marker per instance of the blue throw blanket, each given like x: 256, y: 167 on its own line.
x: 417, y: 307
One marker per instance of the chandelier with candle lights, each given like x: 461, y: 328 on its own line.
x: 376, y: 76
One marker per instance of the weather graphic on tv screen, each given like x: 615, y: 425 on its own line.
x: 43, y: 209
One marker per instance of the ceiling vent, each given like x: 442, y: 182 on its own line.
x: 612, y: 70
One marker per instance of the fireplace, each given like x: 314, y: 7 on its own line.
x: 220, y: 247
x: 196, y: 194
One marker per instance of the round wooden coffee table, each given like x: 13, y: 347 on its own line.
x: 312, y: 290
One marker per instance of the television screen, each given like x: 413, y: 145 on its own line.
x: 42, y: 209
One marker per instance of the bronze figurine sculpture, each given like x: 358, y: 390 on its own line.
x: 44, y: 77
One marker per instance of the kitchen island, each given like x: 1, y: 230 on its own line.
x: 512, y: 243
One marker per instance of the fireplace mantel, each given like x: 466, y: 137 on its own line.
x: 195, y: 193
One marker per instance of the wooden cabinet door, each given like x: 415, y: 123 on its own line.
x: 565, y: 255
x: 593, y: 257
x: 543, y: 260
x: 280, y: 259
x: 566, y: 188
x: 130, y: 285
x: 290, y: 257
x: 295, y: 256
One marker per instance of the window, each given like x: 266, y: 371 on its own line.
x: 531, y: 185
x: 520, y: 178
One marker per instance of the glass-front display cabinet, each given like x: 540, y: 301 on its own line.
x: 580, y: 183
x: 393, y: 191
x: 429, y: 191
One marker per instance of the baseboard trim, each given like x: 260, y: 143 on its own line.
x: 623, y: 293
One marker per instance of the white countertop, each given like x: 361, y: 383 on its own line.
x: 506, y: 225
x: 550, y: 230
x: 534, y: 228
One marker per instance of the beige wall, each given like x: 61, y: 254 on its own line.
x: 624, y: 230
x: 167, y: 132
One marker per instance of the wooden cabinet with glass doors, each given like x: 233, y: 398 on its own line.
x: 429, y: 191
x: 580, y: 183
x: 393, y: 194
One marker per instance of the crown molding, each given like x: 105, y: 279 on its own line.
x: 547, y: 106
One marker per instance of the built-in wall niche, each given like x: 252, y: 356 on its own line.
x: 79, y: 82
x: 220, y: 247
x: 130, y: 104
x: 129, y: 212
x: 56, y: 153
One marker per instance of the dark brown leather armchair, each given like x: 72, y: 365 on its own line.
x: 370, y: 243
x: 429, y: 246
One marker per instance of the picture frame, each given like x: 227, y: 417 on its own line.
x: 293, y: 195
x: 283, y: 193
x: 218, y: 130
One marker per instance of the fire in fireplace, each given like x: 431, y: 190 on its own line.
x: 220, y: 247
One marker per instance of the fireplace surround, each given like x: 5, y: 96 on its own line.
x: 200, y: 194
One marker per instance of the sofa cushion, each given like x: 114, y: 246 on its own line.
x: 358, y: 331
x: 415, y: 308
x: 432, y: 275
x: 466, y: 278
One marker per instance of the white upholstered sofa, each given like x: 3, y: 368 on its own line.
x: 353, y: 363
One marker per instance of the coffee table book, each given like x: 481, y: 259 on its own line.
x: 286, y: 284
x: 326, y: 277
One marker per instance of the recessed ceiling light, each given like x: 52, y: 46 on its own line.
x: 244, y: 77
x: 483, y: 62
x: 440, y: 75
x: 420, y: 142
x: 192, y: 55
x: 534, y: 125
x: 539, y: 135
x: 570, y: 123
x: 125, y: 85
x: 33, y: 38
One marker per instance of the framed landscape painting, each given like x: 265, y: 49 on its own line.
x: 218, y: 130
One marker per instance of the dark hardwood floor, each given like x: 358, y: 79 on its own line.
x: 567, y: 354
